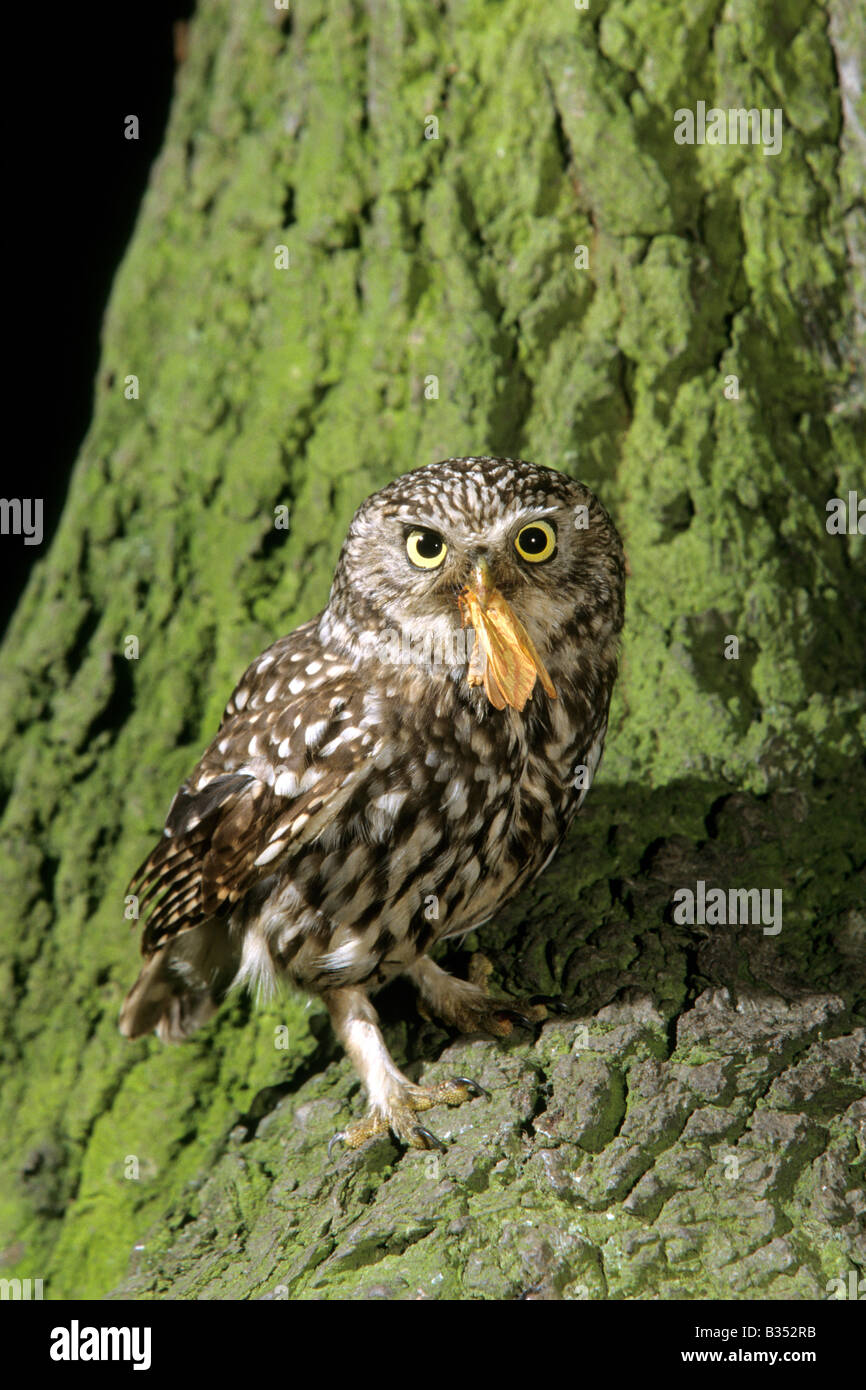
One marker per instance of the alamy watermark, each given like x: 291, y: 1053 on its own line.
x: 77, y: 1343
x: 736, y: 126
x: 734, y: 907
x: 20, y: 1289
x: 846, y: 516
x: 22, y: 516
x: 420, y: 647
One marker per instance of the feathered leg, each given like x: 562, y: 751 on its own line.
x: 394, y: 1099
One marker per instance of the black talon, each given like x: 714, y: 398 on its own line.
x: 522, y: 1020
x: 474, y: 1087
x: 551, y: 1002
x: 432, y: 1141
x: 338, y: 1138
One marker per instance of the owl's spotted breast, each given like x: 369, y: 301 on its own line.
x: 366, y: 796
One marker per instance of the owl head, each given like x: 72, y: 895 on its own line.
x: 449, y: 543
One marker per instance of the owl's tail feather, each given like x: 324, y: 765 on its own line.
x: 182, y: 985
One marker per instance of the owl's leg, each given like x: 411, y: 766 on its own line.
x: 465, y: 1004
x: 394, y: 1099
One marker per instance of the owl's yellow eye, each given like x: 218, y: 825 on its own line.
x: 425, y: 549
x: 535, y: 542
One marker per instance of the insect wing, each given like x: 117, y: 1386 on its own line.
x: 504, y: 658
x: 510, y: 653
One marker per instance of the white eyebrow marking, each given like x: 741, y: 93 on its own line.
x: 417, y: 522
x: 540, y: 511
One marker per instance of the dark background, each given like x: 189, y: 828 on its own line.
x: 83, y: 69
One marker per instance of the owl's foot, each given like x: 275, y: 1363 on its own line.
x: 394, y: 1099
x: 398, y: 1114
x: 466, y: 1005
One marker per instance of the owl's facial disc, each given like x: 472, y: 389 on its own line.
x: 410, y: 583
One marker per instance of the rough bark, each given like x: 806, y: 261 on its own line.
x: 695, y: 1126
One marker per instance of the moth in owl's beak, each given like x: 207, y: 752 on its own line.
x: 504, y: 658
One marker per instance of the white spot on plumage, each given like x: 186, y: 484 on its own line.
x: 342, y: 956
x: 353, y: 955
x: 296, y: 685
x: 286, y: 784
x: 454, y: 802
x: 313, y: 667
x: 382, y: 756
x: 266, y: 661
x: 389, y: 802
x: 274, y: 848
x: 271, y: 692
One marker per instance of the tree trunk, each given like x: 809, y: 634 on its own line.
x: 495, y: 245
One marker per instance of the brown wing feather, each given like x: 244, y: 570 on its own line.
x: 264, y: 788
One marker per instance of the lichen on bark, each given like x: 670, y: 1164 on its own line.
x: 695, y: 1126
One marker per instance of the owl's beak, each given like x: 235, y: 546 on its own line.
x: 481, y: 583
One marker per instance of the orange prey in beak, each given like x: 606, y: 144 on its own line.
x: 504, y: 659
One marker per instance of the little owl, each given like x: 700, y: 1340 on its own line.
x: 394, y: 770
